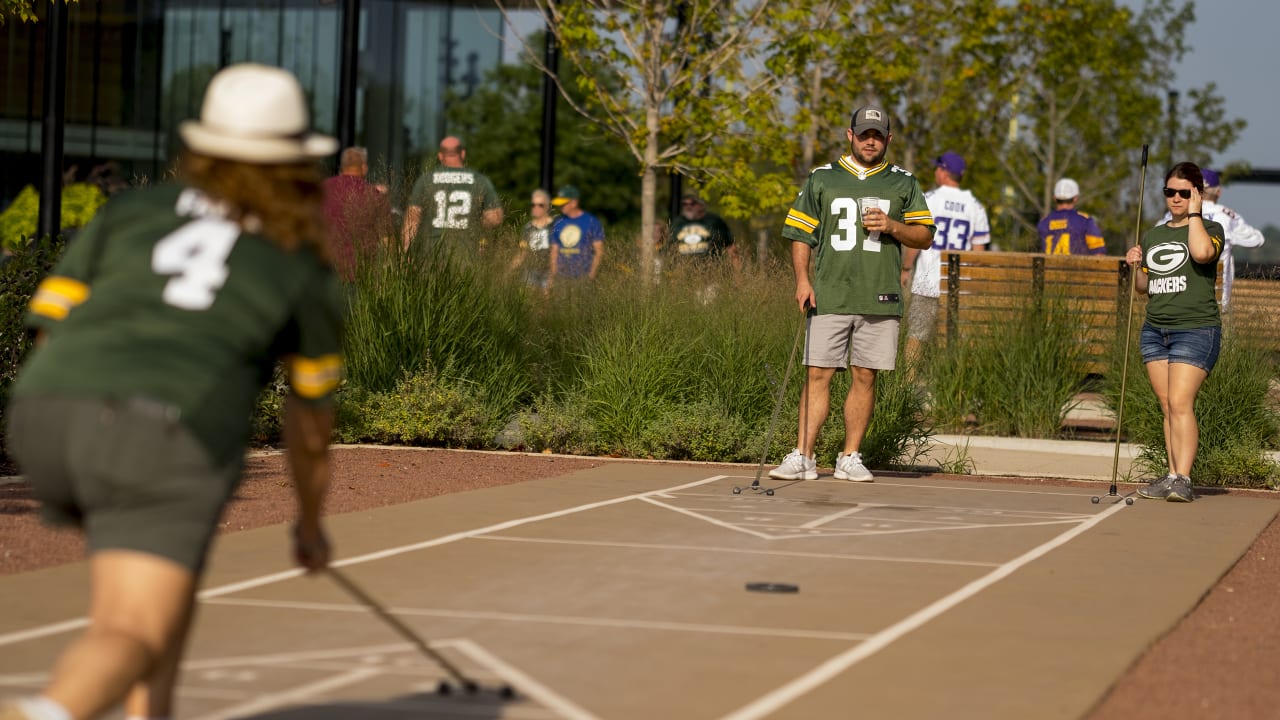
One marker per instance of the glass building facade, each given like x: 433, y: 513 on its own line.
x: 136, y: 68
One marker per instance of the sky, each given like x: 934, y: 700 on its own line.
x: 1228, y: 44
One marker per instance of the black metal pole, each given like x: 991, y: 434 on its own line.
x: 550, y: 58
x: 55, y: 101
x: 349, y: 73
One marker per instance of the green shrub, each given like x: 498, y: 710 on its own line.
x: 424, y: 408
x: 699, y: 431
x: 19, y: 221
x: 19, y: 277
x: 562, y: 426
x: 267, y: 423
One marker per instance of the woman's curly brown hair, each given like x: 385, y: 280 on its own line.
x: 285, y: 199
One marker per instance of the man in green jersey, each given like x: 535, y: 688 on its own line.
x: 451, y: 199
x: 856, y: 213
x: 157, y: 330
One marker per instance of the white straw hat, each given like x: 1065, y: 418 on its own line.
x: 255, y: 114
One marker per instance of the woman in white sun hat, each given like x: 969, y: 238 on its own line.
x: 158, y: 328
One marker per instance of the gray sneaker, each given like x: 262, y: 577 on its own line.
x: 795, y: 466
x: 850, y: 467
x: 1158, y: 490
x: 1180, y: 490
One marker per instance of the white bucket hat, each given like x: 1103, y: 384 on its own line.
x: 255, y: 114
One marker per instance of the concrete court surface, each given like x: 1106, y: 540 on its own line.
x: 619, y: 592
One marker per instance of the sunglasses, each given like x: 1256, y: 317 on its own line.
x: 539, y: 204
x: 1170, y: 192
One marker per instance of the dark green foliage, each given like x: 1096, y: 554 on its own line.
x: 422, y: 409
x: 700, y: 431
x: 19, y: 276
x: 562, y: 426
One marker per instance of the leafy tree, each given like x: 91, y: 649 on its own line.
x: 501, y: 123
x: 1088, y: 100
x: 679, y: 80
x: 1028, y: 91
x: 23, y: 10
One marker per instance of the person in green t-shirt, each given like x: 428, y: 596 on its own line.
x: 1182, y: 334
x: 856, y: 214
x: 451, y: 201
x: 157, y: 330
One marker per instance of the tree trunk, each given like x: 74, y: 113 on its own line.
x: 649, y: 197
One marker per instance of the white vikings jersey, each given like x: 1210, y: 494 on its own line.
x: 962, y: 225
x: 1238, y: 232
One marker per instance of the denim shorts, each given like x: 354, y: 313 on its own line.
x: 1194, y: 346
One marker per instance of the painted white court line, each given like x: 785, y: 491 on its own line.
x: 301, y: 693
x: 780, y: 697
x: 706, y: 519
x: 786, y: 532
x: 1005, y: 491
x: 744, y: 551
x: 870, y: 532
x: 835, y: 516
x: 76, y: 624
x: 524, y: 683
x: 579, y: 620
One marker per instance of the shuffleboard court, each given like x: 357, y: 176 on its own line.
x: 621, y: 592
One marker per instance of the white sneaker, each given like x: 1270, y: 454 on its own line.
x: 850, y: 467
x: 795, y: 466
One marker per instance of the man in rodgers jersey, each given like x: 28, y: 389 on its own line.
x: 962, y: 225
x: 451, y: 200
x: 157, y: 330
x: 855, y: 299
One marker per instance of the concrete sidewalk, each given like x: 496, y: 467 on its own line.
x: 1024, y: 457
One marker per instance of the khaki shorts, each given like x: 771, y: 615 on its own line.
x: 838, y: 341
x: 922, y: 317
x: 128, y: 472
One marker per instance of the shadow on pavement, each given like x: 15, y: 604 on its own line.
x: 485, y: 704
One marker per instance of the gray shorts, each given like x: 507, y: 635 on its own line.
x: 922, y: 317
x: 126, y: 471
x: 838, y: 341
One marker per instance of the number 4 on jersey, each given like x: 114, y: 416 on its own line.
x: 196, y: 256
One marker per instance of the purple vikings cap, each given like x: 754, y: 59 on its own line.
x: 951, y: 162
x: 1211, y: 178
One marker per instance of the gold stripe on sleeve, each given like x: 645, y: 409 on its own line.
x: 797, y: 219
x: 57, y: 295
x: 315, y: 377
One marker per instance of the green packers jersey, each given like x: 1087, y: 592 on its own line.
x: 453, y: 202
x: 161, y: 297
x: 1180, y: 291
x: 856, y: 273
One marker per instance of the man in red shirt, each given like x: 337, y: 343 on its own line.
x: 356, y: 211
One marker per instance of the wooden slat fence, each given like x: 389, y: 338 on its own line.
x: 982, y: 289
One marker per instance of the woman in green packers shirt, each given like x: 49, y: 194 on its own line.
x: 1183, y: 331
x: 159, y: 326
